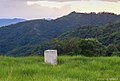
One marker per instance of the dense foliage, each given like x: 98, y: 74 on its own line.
x: 75, y: 46
x: 107, y: 34
x: 22, y: 39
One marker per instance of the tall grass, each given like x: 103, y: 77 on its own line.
x: 69, y: 68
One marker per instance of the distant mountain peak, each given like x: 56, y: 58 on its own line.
x: 108, y: 13
x: 36, y: 32
x: 7, y: 21
x: 73, y: 13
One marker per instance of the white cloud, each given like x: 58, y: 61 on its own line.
x: 21, y: 9
x: 67, y: 0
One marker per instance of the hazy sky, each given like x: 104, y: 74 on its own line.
x: 32, y: 9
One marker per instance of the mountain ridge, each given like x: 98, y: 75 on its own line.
x: 35, y: 32
x: 8, y: 21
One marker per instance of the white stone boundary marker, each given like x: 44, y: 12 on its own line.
x: 50, y: 57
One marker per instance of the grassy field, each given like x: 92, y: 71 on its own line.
x: 69, y: 68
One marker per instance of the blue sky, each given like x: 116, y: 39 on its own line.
x: 35, y: 9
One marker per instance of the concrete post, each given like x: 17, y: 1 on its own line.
x: 50, y: 57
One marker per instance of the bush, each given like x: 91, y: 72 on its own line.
x: 116, y: 53
x: 77, y: 46
x: 92, y: 47
x: 111, y: 49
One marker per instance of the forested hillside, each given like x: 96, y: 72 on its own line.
x: 107, y: 34
x: 80, y: 41
x: 22, y: 39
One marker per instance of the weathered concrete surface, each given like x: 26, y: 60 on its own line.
x: 50, y: 57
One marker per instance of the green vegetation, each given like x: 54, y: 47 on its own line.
x: 107, y: 34
x: 74, y: 46
x: 20, y: 36
x: 69, y: 68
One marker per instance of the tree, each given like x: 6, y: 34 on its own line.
x: 77, y: 46
x: 111, y: 49
x: 92, y: 47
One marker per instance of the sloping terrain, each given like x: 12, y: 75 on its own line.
x: 35, y: 32
x: 107, y: 34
